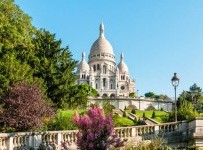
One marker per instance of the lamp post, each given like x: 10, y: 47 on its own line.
x: 175, y: 83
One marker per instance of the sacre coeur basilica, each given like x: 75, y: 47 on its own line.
x: 101, y: 71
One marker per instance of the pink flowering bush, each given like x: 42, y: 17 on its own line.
x: 96, y: 131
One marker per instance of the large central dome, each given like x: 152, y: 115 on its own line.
x: 101, y: 46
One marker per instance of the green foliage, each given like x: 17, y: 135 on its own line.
x: 122, y: 121
x: 194, y: 95
x: 132, y: 95
x: 125, y: 108
x: 61, y: 122
x: 157, y: 97
x: 153, y: 115
x: 140, y: 122
x: 131, y: 107
x: 36, y: 57
x: 186, y: 111
x: 79, y: 95
x: 15, y: 27
x: 135, y: 120
x: 143, y: 116
x: 55, y: 66
x: 133, y: 111
x: 150, y: 95
x: 107, y: 107
x: 150, y: 108
x: 124, y: 114
x: 16, y: 45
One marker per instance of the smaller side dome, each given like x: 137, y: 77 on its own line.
x: 123, y: 68
x: 83, y: 65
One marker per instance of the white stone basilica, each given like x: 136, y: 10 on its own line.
x: 101, y: 71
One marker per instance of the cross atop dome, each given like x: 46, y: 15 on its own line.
x: 83, y: 56
x: 101, y: 28
x: 121, y: 56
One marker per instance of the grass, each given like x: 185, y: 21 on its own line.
x: 70, y: 113
x: 160, y: 115
x: 122, y: 121
x: 62, y: 121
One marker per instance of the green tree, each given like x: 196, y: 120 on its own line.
x: 55, y: 65
x: 16, y: 45
x: 194, y: 95
x: 150, y: 95
x: 15, y: 27
x: 157, y: 97
x: 195, y: 92
x: 79, y: 95
x: 186, y: 111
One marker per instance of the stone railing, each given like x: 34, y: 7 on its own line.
x: 10, y: 141
x: 20, y: 140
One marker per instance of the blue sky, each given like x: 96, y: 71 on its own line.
x: 157, y: 37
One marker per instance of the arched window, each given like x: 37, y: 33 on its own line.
x: 98, y: 67
x: 104, y: 69
x: 94, y: 67
x: 122, y: 77
x: 104, y: 82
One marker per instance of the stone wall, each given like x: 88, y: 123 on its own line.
x: 141, y: 104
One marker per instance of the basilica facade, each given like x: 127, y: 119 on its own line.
x: 102, y: 72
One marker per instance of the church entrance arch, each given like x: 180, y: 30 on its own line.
x: 112, y: 95
x: 104, y: 95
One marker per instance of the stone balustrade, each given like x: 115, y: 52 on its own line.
x: 10, y: 141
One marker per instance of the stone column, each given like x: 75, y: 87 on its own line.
x: 10, y: 145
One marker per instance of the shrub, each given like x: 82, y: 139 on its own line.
x: 140, y: 122
x: 96, y: 131
x: 131, y: 107
x: 24, y: 108
x: 162, y: 109
x: 124, y: 114
x: 133, y: 95
x: 150, y: 108
x: 107, y: 107
x: 133, y: 111
x: 125, y: 108
x: 61, y: 122
x: 143, y: 115
x: 135, y: 120
x: 153, y: 114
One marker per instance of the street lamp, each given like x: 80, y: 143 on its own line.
x: 175, y: 83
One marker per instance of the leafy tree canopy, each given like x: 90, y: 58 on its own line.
x: 155, y: 96
x: 16, y: 45
x: 24, y: 108
x: 36, y: 57
x: 193, y: 95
